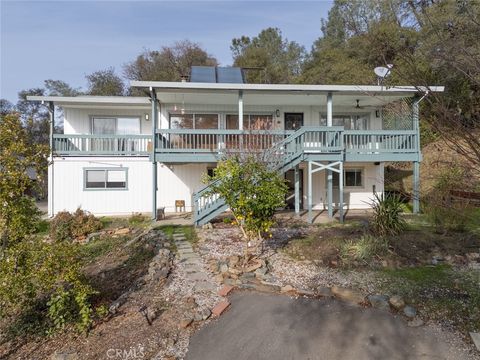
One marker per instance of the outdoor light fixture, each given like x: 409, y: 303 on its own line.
x: 147, y: 117
x: 277, y: 113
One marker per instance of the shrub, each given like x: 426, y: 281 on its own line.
x: 363, y: 250
x: 34, y: 272
x: 68, y: 226
x: 444, y: 213
x: 253, y: 193
x: 136, y: 218
x: 387, y: 219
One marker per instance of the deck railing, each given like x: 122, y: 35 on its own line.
x: 113, y: 145
x: 380, y: 141
x: 216, y: 140
x: 309, y: 140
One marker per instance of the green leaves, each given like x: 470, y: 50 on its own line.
x: 252, y: 191
x: 387, y: 210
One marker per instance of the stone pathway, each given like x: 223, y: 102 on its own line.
x: 193, y: 264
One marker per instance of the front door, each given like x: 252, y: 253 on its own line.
x: 290, y: 197
x: 293, y: 121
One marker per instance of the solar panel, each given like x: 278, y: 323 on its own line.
x: 204, y: 74
x: 212, y: 74
x: 229, y: 75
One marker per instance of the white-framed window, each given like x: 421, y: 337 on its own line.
x: 352, y: 177
x: 105, y: 178
x: 115, y: 125
x: 194, y: 121
x: 250, y: 122
x: 348, y: 121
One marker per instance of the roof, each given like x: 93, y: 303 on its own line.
x: 89, y: 100
x: 216, y: 74
x: 345, y: 89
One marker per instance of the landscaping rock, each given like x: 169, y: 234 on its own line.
x: 202, y: 314
x: 476, y: 339
x: 379, y: 301
x: 225, y: 290
x: 64, y: 355
x: 305, y: 292
x: 223, y: 268
x: 254, y: 265
x: 287, y: 288
x: 207, y: 226
x: 183, y: 324
x: 220, y: 308
x: 409, y: 311
x: 348, y: 295
x: 416, y: 322
x: 233, y: 260
x: 324, y: 291
x: 261, y: 272
x: 397, y: 302
x: 123, y: 231
x: 152, y: 314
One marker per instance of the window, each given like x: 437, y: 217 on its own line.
x: 351, y: 178
x: 250, y: 122
x: 210, y: 171
x: 116, y: 125
x: 193, y: 121
x: 349, y: 122
x: 105, y: 178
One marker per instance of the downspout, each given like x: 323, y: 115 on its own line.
x: 153, y: 97
x: 416, y: 164
x: 50, y: 187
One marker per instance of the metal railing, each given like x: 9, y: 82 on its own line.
x: 114, y: 145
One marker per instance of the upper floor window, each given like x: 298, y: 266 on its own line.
x: 349, y: 122
x: 250, y: 122
x: 106, y: 125
x: 194, y: 121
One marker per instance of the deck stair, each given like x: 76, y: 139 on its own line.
x: 281, y: 157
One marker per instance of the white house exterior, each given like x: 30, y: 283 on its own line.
x: 331, y: 139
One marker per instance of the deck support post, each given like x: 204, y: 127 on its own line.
x: 330, y: 192
x: 329, y: 171
x: 153, y: 99
x: 297, y: 190
x: 240, y: 109
x: 51, y: 188
x: 416, y: 187
x: 310, y: 219
x: 340, y: 193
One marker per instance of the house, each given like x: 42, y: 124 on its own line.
x: 120, y: 155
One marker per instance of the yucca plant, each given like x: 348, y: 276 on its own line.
x: 387, y: 219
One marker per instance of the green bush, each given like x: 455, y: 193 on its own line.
x: 443, y: 212
x: 34, y: 272
x: 387, y: 215
x: 137, y: 218
x: 363, y: 250
x: 68, y: 226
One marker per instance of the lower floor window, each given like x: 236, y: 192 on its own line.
x: 105, y: 178
x: 351, y: 177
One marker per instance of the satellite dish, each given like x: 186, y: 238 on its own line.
x: 382, y: 72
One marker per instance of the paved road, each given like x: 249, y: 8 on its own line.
x: 264, y: 326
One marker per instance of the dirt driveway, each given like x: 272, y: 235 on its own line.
x: 264, y: 326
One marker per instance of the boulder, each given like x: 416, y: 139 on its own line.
x: 379, y: 301
x: 397, y: 302
x: 348, y: 295
x: 409, y: 311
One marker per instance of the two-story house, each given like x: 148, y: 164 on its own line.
x: 120, y: 155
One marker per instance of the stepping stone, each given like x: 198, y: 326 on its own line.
x: 476, y: 339
x: 220, y: 308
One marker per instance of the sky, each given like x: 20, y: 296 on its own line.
x: 65, y: 40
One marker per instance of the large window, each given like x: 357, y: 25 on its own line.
x: 349, y: 122
x: 351, y: 178
x: 250, y: 122
x: 106, y: 125
x: 193, y: 121
x: 101, y: 178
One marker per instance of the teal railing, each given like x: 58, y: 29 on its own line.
x: 113, y: 145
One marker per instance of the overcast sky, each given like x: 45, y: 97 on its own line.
x: 67, y: 39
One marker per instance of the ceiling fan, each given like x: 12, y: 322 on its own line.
x: 357, y: 105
